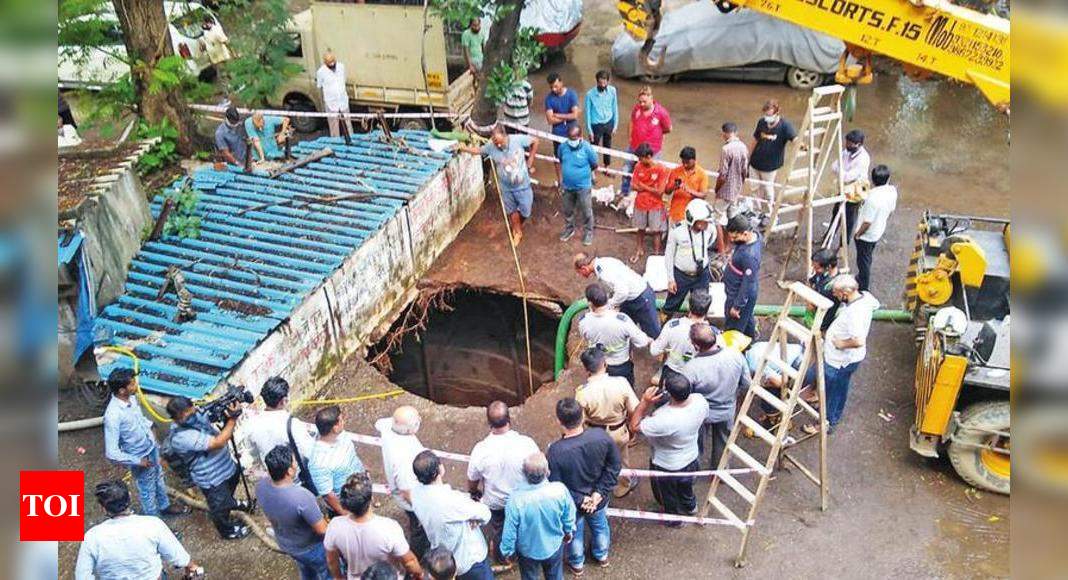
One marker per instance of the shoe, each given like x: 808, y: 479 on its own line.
x: 601, y: 563
x: 692, y: 512
x: 237, y: 532
x: 502, y: 568
x: 587, y: 239
x: 174, y: 510
x: 673, y: 524
x: 575, y: 571
x: 622, y: 491
x: 243, y: 505
x: 567, y: 235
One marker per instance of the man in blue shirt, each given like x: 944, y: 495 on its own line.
x: 741, y: 279
x: 129, y: 441
x: 210, y: 466
x: 265, y: 134
x: 539, y: 519
x: 513, y: 157
x: 231, y: 143
x: 602, y: 113
x: 577, y: 162
x: 561, y: 106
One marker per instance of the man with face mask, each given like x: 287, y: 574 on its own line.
x: 330, y: 78
x: 231, y: 143
x: 577, y: 162
x: 768, y: 151
x: 855, y: 165
x: 602, y: 113
x: 211, y: 467
x: 687, y: 254
x: 741, y: 279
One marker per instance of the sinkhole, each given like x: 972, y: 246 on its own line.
x: 467, y: 348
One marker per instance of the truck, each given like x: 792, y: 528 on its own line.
x: 395, y: 58
x: 958, y: 291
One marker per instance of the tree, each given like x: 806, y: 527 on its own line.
x: 261, y: 45
x: 510, y: 51
x: 157, y: 82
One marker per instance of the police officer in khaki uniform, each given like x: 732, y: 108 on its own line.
x: 607, y: 403
x: 614, y: 331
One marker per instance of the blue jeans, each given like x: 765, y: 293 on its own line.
x: 312, y: 563
x: 552, y: 568
x: 836, y: 383
x: 642, y: 310
x: 600, y: 538
x: 480, y: 571
x: 150, y: 487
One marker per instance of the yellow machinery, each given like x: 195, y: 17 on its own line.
x: 958, y: 290
x: 927, y: 36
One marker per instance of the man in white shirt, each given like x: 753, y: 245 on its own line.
x: 451, y: 519
x: 270, y: 428
x: 496, y: 468
x: 881, y: 202
x: 399, y: 448
x: 629, y: 293
x: 127, y: 545
x: 330, y: 78
x: 844, y: 345
x: 674, y: 341
x: 854, y: 166
x: 686, y: 257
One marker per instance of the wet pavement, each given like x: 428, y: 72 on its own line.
x: 892, y: 513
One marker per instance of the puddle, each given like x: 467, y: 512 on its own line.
x: 469, y: 349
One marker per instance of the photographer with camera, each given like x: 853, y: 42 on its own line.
x: 210, y: 465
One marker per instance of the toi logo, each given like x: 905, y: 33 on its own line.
x: 51, y: 506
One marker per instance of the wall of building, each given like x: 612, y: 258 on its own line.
x: 363, y: 297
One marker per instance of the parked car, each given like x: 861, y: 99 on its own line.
x: 99, y: 66
x: 698, y: 41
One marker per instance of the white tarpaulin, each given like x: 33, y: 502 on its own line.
x: 551, y: 16
x: 698, y: 36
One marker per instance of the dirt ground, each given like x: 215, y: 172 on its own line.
x: 892, y: 513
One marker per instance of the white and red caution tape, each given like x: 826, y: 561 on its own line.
x: 321, y: 115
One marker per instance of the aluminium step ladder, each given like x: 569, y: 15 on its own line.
x: 799, y: 190
x: 789, y: 404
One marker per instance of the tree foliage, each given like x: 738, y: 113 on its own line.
x: 257, y: 31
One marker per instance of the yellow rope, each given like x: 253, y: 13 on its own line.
x: 385, y: 395
x: 522, y: 282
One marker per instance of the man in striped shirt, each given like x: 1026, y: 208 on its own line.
x: 332, y: 458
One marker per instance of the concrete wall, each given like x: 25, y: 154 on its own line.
x: 360, y: 300
x: 114, y: 213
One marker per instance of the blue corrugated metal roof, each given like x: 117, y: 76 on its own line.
x: 248, y: 272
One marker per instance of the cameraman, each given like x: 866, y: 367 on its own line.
x: 211, y: 467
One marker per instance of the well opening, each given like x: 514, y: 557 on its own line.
x: 467, y: 347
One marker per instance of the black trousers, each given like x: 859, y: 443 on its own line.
x: 625, y: 370
x: 496, y: 528
x: 221, y: 502
x: 719, y: 432
x: 419, y: 543
x: 865, y: 251
x: 851, y: 210
x: 675, y: 493
x: 685, y: 283
x: 602, y: 135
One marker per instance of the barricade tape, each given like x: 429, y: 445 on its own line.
x: 288, y: 113
x: 627, y: 156
x: 376, y: 441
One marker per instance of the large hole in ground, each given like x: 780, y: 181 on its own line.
x: 467, y: 348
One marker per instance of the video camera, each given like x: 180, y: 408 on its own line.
x: 218, y: 409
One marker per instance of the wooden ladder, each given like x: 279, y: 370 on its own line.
x: 789, y: 403
x: 808, y: 163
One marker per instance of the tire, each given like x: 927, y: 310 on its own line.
x: 303, y: 124
x: 981, y: 468
x: 413, y: 124
x: 655, y: 79
x: 801, y: 79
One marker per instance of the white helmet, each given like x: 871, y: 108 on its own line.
x: 698, y: 210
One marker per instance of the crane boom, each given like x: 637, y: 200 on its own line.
x: 932, y: 35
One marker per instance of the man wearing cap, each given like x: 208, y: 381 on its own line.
x: 717, y: 374
x: 231, y: 143
x: 628, y: 292
x: 687, y: 254
x: 614, y: 331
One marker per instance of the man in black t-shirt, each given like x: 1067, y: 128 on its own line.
x: 766, y: 155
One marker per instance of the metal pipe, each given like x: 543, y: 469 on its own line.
x: 564, y: 327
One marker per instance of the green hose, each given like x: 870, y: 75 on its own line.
x: 564, y: 327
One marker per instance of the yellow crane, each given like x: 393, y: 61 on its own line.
x: 927, y: 36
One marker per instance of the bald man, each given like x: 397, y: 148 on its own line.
x: 717, y: 374
x: 496, y: 468
x: 330, y: 78
x: 399, y: 448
